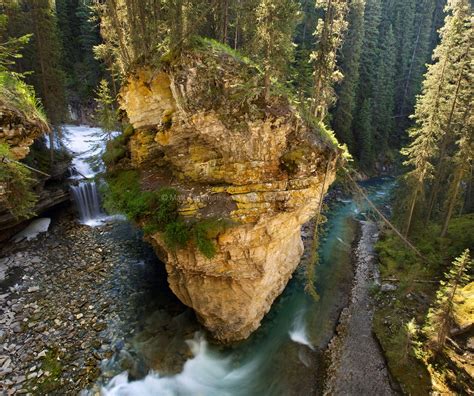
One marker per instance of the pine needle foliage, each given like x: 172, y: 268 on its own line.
x: 440, y: 317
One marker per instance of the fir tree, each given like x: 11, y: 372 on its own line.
x: 439, y: 107
x: 384, y: 91
x: 441, y: 317
x: 367, y: 83
x: 106, y: 113
x: 276, y: 23
x: 48, y: 77
x: 329, y: 32
x: 364, y: 124
x: 350, y: 58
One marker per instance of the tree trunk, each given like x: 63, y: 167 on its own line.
x: 412, y: 209
x: 452, y: 201
x: 440, y: 167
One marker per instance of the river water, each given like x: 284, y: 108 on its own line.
x: 284, y: 356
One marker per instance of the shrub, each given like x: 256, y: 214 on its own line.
x: 177, y: 234
x: 15, y: 185
x: 158, y: 211
x: 205, y: 231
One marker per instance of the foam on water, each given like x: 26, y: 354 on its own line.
x: 207, y: 373
x: 298, y: 332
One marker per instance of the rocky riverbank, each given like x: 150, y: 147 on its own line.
x: 71, y: 302
x: 357, y: 365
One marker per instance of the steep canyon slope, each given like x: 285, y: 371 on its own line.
x: 200, y: 125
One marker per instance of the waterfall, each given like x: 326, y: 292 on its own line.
x: 86, y: 144
x: 87, y: 199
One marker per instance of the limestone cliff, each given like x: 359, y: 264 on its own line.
x: 19, y: 130
x: 202, y: 127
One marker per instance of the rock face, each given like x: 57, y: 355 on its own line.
x: 18, y: 131
x: 202, y: 127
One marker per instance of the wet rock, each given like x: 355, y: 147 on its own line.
x: 388, y: 287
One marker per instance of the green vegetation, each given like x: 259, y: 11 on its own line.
x: 417, y: 284
x: 442, y: 136
x: 157, y: 211
x: 16, y: 94
x: 440, y: 317
x: 106, y: 114
x: 51, y: 364
x: 15, y: 185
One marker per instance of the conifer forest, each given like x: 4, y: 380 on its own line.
x: 236, y: 197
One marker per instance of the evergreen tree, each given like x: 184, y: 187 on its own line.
x: 48, y: 77
x: 79, y: 34
x: 350, y: 58
x: 106, y: 113
x: 384, y: 91
x: 364, y: 124
x: 413, y: 59
x: 276, y: 23
x: 10, y: 47
x: 439, y: 108
x: 367, y: 83
x: 329, y: 32
x: 441, y: 317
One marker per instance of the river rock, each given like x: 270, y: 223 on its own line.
x: 388, y: 287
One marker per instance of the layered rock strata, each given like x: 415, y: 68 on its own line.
x: 18, y: 130
x: 202, y: 126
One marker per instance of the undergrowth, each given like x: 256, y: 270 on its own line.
x: 16, y: 185
x: 417, y: 281
x: 116, y: 148
x: 157, y: 211
x: 15, y: 92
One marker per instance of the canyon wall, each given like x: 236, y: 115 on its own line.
x: 19, y: 130
x: 202, y: 127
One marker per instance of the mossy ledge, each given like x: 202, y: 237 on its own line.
x: 247, y: 173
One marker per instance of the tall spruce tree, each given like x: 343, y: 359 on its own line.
x: 440, y: 317
x: 384, y: 90
x: 367, y: 83
x: 350, y: 58
x: 329, y: 34
x: 48, y: 77
x: 440, y: 108
x: 276, y: 24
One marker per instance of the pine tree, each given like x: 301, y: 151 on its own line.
x: 367, y: 83
x: 414, y: 55
x: 350, y: 58
x: 364, y: 124
x: 439, y: 107
x: 440, y: 318
x: 384, y: 91
x: 48, y: 77
x: 10, y: 47
x: 463, y: 162
x: 276, y: 23
x: 79, y: 34
x: 106, y: 113
x: 329, y: 33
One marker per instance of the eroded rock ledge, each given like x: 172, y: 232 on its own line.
x: 202, y: 127
x: 18, y: 130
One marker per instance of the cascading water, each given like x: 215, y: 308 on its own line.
x: 86, y: 197
x: 86, y: 143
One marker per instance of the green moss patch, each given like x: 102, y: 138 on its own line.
x: 157, y: 211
